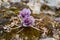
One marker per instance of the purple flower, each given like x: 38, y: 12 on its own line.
x: 25, y: 12
x: 28, y: 21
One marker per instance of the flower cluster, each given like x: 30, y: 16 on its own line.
x: 25, y: 12
x: 27, y: 20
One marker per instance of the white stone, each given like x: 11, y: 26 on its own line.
x: 35, y: 6
x: 14, y: 0
x: 0, y: 3
x: 5, y: 0
x: 49, y: 12
x: 57, y: 19
x: 48, y: 39
x: 52, y: 3
x: 6, y: 4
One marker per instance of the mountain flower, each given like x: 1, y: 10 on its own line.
x: 28, y: 21
x: 25, y: 12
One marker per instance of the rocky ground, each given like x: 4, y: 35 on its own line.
x: 47, y: 20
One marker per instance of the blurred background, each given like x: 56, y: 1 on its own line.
x: 45, y: 12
